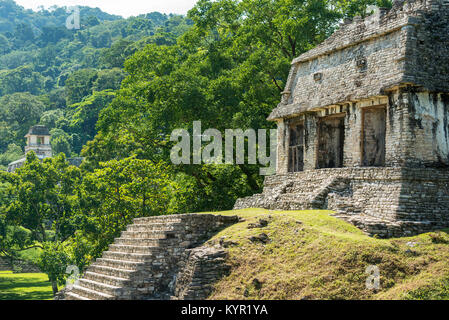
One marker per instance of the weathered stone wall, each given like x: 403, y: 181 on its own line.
x: 363, y: 59
x: 353, y: 130
x: 417, y: 129
x: 341, y: 77
x: 200, y: 269
x: 429, y: 128
x: 18, y: 266
x: 282, y: 147
x: 310, y: 141
x: 428, y: 48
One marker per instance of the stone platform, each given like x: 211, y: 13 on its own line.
x: 387, y: 202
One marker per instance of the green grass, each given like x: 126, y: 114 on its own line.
x: 24, y: 286
x: 313, y: 255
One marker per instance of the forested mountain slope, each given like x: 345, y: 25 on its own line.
x: 62, y: 78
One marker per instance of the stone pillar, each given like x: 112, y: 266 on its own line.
x: 310, y: 141
x: 352, y: 153
x: 417, y: 128
x: 397, y: 136
x: 282, y: 148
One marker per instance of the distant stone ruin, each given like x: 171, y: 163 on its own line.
x: 157, y: 258
x: 18, y: 266
x: 38, y: 141
x: 363, y: 125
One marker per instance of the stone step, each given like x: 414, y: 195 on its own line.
x: 158, y: 219
x: 90, y: 294
x: 143, y: 262
x: 98, y: 287
x: 292, y: 205
x: 295, y: 197
x: 134, y: 248
x: 106, y: 279
x: 144, y: 227
x: 155, y: 234
x: 119, y: 264
x: 305, y: 199
x: 124, y: 256
x: 138, y: 242
x: 299, y: 190
x: 110, y: 271
x: 73, y: 296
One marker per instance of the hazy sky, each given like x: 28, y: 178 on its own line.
x: 124, y: 8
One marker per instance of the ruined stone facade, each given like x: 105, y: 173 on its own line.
x: 363, y: 123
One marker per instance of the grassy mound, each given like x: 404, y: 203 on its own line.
x: 24, y: 286
x: 312, y: 255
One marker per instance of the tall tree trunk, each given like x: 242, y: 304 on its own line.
x: 54, y: 286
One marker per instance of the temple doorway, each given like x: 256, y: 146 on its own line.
x: 331, y: 134
x: 296, y: 147
x: 373, y: 132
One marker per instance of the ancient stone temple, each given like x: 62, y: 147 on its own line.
x: 363, y: 124
x: 38, y: 141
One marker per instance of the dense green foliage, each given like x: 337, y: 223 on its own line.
x: 46, y: 70
x: 228, y: 71
x: 114, y: 91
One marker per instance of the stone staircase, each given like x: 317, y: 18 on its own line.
x: 143, y: 263
x: 311, y: 194
x: 295, y: 192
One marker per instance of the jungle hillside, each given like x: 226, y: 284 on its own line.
x: 113, y: 91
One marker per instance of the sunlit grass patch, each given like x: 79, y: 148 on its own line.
x: 313, y: 255
x: 24, y: 286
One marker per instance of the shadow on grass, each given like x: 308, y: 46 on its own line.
x: 24, y: 287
